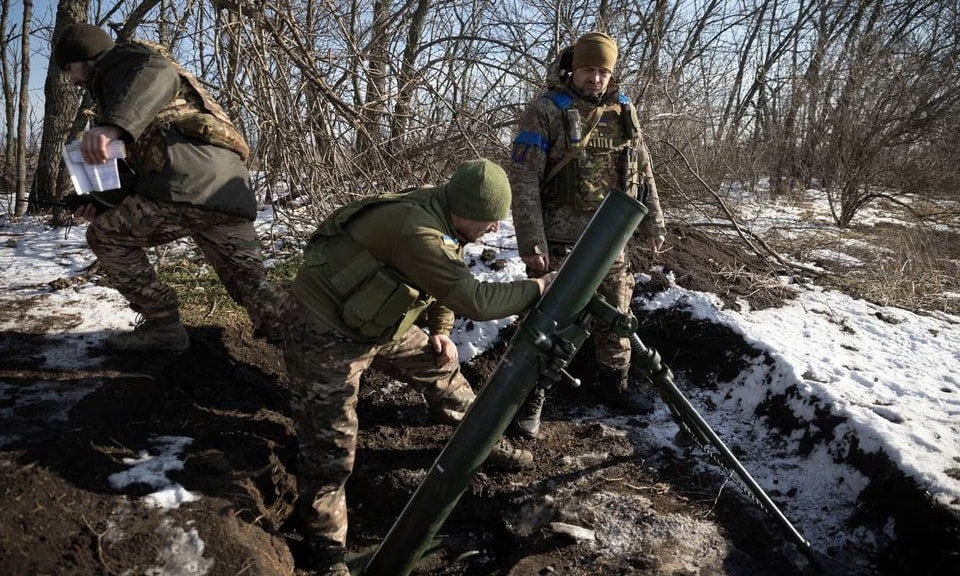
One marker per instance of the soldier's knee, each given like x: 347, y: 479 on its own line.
x: 93, y: 235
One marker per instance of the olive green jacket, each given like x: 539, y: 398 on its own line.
x: 132, y: 85
x: 412, y: 237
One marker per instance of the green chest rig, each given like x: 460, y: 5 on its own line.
x: 602, y: 143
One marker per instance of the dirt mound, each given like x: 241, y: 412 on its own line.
x: 712, y: 262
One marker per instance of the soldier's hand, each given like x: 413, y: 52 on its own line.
x: 85, y: 213
x: 445, y: 348
x: 538, y: 263
x: 545, y: 281
x: 656, y: 244
x: 95, y: 141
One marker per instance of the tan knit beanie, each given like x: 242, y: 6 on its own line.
x: 595, y: 49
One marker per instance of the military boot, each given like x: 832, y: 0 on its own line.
x: 527, y: 421
x: 149, y: 334
x: 327, y: 561
x: 505, y: 457
x: 683, y: 438
x: 616, y: 390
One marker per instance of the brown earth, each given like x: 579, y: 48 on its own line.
x: 657, y: 512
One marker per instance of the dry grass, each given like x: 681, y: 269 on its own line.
x: 203, y: 299
x: 912, y: 267
x: 919, y: 272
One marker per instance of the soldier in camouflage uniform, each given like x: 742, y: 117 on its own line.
x: 370, y: 272
x: 186, y: 177
x: 576, y: 143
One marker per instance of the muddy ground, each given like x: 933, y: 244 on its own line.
x: 650, y: 509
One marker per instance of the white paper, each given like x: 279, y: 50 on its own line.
x: 88, y: 178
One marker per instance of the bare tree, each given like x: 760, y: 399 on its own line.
x: 898, y: 65
x: 23, y: 110
x: 8, y: 81
x: 60, y: 113
x: 408, y: 76
x: 340, y: 99
x: 373, y: 104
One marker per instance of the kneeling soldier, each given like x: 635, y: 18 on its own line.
x: 371, y: 270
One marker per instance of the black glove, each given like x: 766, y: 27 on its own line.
x: 103, y: 201
x: 555, y: 365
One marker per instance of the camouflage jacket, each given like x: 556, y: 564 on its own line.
x: 163, y: 113
x: 558, y: 209
x: 374, y: 266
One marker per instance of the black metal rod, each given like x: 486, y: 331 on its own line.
x: 663, y: 379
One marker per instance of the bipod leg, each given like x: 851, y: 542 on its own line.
x: 648, y: 359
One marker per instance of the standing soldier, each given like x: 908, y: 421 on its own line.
x: 576, y: 143
x: 371, y: 270
x: 188, y: 179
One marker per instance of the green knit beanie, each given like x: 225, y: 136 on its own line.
x: 479, y: 190
x: 80, y: 42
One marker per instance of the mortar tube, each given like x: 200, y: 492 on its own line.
x: 604, y: 238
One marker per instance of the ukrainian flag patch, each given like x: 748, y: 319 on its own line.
x: 451, y: 247
x: 449, y: 242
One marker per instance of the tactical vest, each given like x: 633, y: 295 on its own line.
x: 377, y: 304
x: 192, y: 112
x: 600, y: 159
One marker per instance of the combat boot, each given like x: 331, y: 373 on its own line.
x: 639, y: 398
x: 327, y: 561
x: 505, y: 457
x: 616, y: 390
x: 527, y: 421
x: 163, y: 334
x: 683, y: 438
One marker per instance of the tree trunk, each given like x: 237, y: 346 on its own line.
x: 60, y: 110
x: 369, y: 137
x: 409, y: 80
x: 23, y: 110
x: 9, y: 105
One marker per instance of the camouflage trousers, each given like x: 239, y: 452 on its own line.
x: 616, y: 288
x: 324, y: 371
x: 119, y: 237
